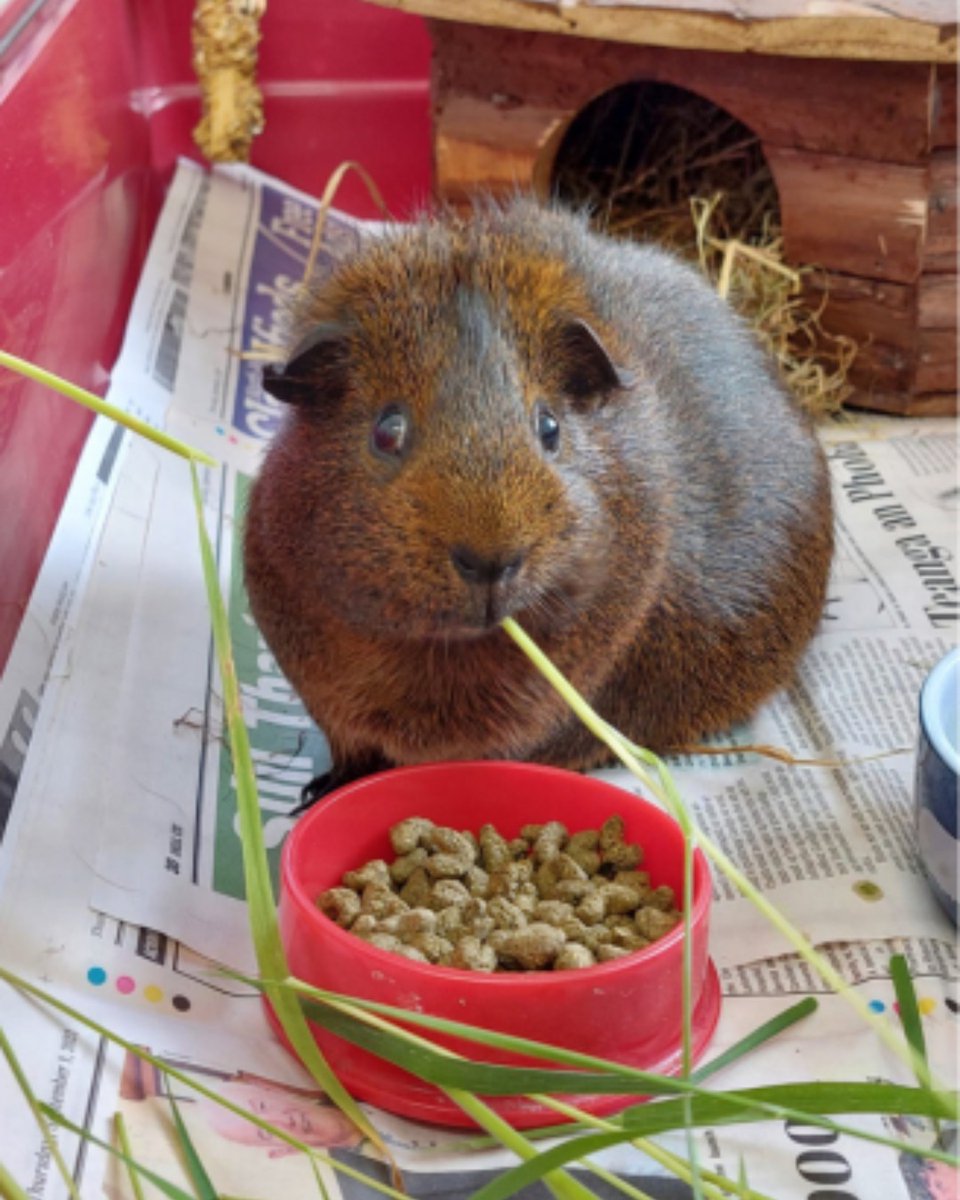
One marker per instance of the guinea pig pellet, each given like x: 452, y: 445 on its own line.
x: 546, y: 900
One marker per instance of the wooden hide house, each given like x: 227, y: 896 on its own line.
x: 855, y: 109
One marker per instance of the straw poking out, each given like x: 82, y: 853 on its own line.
x: 658, y: 164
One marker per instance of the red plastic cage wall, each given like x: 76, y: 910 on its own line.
x: 97, y: 100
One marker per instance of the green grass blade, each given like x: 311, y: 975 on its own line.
x: 271, y: 959
x: 793, y: 1101
x: 483, y: 1079
x: 910, y: 1016
x: 783, y: 1101
x: 318, y: 1179
x: 563, y: 1186
x: 202, y: 1184
x: 813, y: 1102
x: 680, y: 1167
x: 527, y: 1173
x: 677, y: 1166
x: 123, y: 1141
x: 817, y: 963
x: 615, y: 1182
x: 194, y: 1085
x: 641, y: 762
x: 9, y: 1188
x: 631, y: 1078
x: 770, y: 1029
x: 762, y: 1033
x: 534, y: 1169
x: 90, y: 400
x: 921, y: 1101
x: 36, y: 1109
x: 164, y: 1185
x: 667, y: 1115
x: 686, y: 1000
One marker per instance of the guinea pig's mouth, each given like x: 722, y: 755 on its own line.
x: 463, y: 627
x: 460, y: 633
x: 535, y: 610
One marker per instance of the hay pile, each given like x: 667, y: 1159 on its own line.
x: 657, y: 163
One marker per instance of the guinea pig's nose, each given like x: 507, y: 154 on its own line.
x: 486, y: 569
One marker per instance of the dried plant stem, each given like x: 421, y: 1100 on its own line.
x: 274, y: 354
x: 733, y: 246
x: 326, y: 200
x: 779, y: 754
x: 269, y: 354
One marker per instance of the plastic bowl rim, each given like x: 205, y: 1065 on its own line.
x: 943, y: 676
x: 391, y: 961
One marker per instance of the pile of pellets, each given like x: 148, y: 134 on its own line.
x: 546, y: 900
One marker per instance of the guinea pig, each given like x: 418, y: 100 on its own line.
x: 510, y: 415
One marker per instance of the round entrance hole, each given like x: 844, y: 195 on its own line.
x: 638, y: 154
x: 658, y: 163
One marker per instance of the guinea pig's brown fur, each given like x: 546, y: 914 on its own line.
x: 510, y: 415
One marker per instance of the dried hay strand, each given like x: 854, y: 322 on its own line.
x: 814, y: 364
x: 658, y: 164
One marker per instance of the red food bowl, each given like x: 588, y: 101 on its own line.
x: 628, y: 1010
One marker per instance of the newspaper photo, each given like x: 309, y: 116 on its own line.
x: 121, y: 882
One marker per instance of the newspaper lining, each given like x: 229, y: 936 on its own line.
x: 119, y: 862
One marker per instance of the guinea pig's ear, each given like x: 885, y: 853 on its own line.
x: 589, y: 373
x: 316, y: 367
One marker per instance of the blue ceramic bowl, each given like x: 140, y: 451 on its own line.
x: 938, y: 770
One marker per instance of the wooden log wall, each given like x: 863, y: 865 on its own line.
x: 935, y: 382
x: 863, y: 155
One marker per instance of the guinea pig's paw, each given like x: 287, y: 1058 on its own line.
x: 323, y: 785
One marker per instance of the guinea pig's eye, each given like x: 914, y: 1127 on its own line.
x: 548, y: 429
x: 390, y: 435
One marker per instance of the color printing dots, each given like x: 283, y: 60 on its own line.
x: 866, y: 889
x: 953, y: 1005
x: 925, y: 1006
x: 126, y: 985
